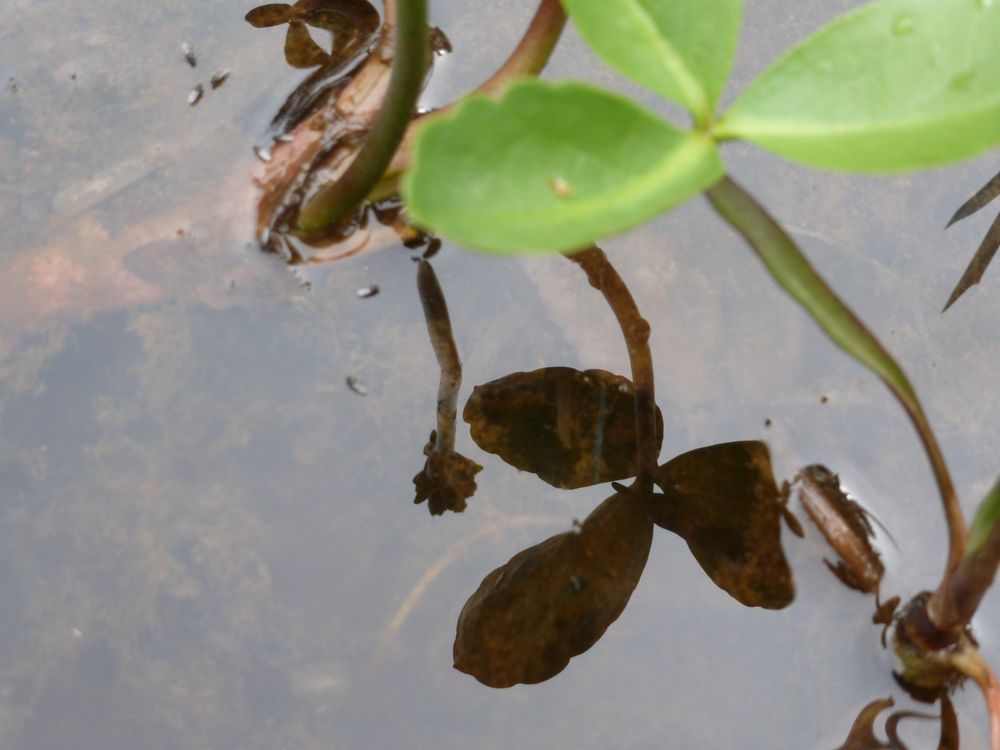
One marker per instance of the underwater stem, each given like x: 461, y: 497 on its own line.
x: 955, y: 601
x: 335, y: 199
x: 439, y: 328
x: 605, y: 279
x: 970, y: 662
x: 793, y: 272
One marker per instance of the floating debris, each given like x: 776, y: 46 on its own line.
x: 367, y: 291
x: 432, y: 248
x: 440, y: 44
x: 356, y: 385
x: 219, y: 78
x: 262, y: 153
x: 189, y: 55
x: 196, y: 94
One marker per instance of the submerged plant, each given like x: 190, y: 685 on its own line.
x: 893, y: 86
x: 530, y: 166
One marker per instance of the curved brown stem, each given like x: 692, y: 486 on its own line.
x: 443, y: 341
x: 605, y: 279
x: 971, y: 663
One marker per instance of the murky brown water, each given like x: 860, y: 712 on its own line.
x: 208, y: 540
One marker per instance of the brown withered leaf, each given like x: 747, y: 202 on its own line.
x: 722, y: 499
x: 977, y: 266
x: 987, y: 248
x: 270, y: 14
x: 862, y: 734
x: 351, y: 22
x: 983, y: 196
x: 571, y: 428
x: 300, y: 49
x: 553, y: 601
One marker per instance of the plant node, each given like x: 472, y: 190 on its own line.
x: 925, y: 652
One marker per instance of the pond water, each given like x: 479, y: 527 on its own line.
x: 207, y: 539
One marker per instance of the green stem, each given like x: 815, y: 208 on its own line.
x: 792, y: 271
x: 332, y: 201
x: 955, y: 601
x: 528, y: 59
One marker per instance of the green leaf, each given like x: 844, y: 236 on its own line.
x: 895, y: 85
x: 551, y: 167
x: 681, y: 49
x: 986, y: 518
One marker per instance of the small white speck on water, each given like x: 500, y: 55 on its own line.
x: 196, y: 94
x: 367, y: 291
x: 189, y: 55
x: 262, y: 153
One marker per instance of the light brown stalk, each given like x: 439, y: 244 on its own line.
x: 971, y: 663
x: 605, y: 279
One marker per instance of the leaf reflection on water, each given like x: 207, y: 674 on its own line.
x: 553, y: 601
x: 570, y: 428
x: 723, y: 500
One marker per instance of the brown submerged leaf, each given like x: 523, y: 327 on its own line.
x: 300, y: 49
x: 862, y: 734
x: 554, y: 601
x: 571, y: 428
x: 722, y: 499
x: 271, y: 14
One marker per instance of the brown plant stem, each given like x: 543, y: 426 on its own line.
x: 605, y: 279
x: 955, y: 601
x: 970, y: 662
x: 528, y: 59
x: 795, y: 274
x: 332, y: 201
x: 443, y: 341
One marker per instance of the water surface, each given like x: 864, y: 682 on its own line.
x: 208, y: 540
